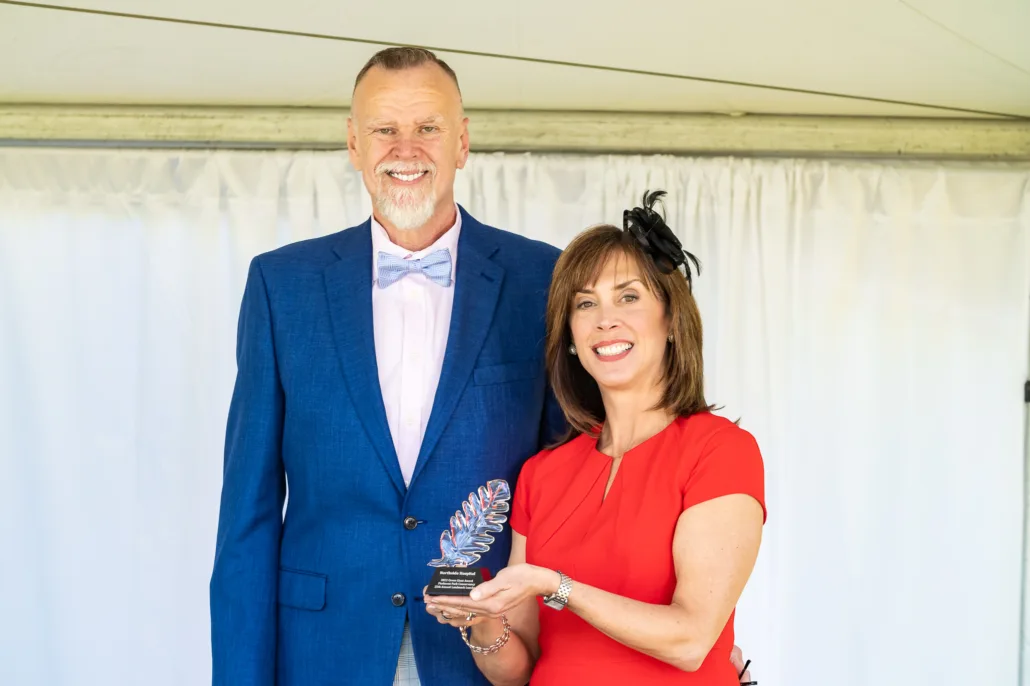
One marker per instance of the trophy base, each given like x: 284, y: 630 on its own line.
x: 457, y: 581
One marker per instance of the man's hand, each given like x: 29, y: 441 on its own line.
x: 740, y: 667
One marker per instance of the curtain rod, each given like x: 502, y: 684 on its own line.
x: 527, y: 131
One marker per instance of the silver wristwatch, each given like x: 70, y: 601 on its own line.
x: 560, y: 598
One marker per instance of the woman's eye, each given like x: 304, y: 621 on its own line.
x: 630, y: 297
x: 429, y: 129
x: 584, y: 305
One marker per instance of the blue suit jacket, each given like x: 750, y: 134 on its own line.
x: 312, y: 599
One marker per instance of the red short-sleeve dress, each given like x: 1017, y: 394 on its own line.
x: 623, y: 543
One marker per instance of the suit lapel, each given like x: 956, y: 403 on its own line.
x: 348, y: 284
x: 477, y: 286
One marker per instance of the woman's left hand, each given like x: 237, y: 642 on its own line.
x: 508, y: 589
x: 455, y: 613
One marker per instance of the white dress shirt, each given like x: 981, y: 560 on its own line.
x: 410, y: 320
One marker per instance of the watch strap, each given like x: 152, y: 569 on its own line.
x: 560, y: 598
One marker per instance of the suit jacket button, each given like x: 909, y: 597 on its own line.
x: 410, y: 523
x: 397, y: 599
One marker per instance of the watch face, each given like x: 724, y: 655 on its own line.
x: 553, y: 604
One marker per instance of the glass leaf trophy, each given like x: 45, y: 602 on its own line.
x: 483, y: 514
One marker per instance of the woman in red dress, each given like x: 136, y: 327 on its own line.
x: 633, y: 539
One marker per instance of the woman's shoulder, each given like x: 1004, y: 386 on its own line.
x: 706, y: 433
x: 552, y: 462
x: 704, y: 427
x: 562, y: 455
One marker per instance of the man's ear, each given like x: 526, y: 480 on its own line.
x: 463, y: 142
x: 352, y: 144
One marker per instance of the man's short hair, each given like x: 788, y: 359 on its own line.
x: 396, y: 59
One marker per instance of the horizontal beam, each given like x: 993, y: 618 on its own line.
x: 534, y: 131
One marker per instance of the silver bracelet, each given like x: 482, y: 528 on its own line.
x: 495, y: 646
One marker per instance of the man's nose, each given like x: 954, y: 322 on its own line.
x: 405, y: 147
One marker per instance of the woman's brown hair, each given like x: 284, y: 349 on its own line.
x: 578, y: 267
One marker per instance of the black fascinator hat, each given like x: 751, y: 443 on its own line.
x: 649, y: 229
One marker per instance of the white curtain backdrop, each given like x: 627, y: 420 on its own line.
x: 868, y: 322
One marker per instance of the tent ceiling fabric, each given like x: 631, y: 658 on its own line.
x: 946, y: 53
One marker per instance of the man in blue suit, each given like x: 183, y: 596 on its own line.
x: 384, y: 373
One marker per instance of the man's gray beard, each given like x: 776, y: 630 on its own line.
x: 404, y: 212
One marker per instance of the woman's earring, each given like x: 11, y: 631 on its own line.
x: 670, y: 338
x: 572, y: 349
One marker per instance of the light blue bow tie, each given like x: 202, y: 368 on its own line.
x: 436, y: 266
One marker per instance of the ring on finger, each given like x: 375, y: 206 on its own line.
x: 470, y: 616
x: 445, y: 615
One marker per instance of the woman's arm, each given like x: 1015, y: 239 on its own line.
x: 513, y: 663
x: 714, y: 550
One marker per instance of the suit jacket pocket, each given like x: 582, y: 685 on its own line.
x: 302, y: 590
x: 509, y: 371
